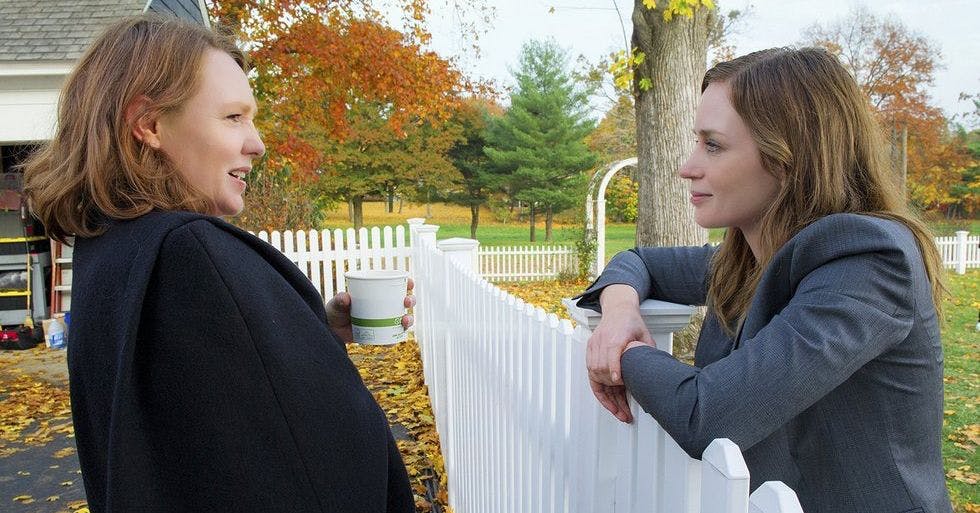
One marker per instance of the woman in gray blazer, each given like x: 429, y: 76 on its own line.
x: 820, y: 355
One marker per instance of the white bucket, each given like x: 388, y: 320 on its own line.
x: 377, y: 306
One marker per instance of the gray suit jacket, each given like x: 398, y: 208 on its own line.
x: 834, y: 384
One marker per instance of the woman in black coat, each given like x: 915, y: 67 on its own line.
x: 206, y: 374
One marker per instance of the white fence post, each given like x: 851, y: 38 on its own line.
x: 413, y: 223
x: 462, y: 251
x: 961, y: 251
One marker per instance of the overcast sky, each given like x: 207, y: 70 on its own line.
x: 592, y: 28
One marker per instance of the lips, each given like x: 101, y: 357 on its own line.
x: 239, y: 173
x: 698, y: 197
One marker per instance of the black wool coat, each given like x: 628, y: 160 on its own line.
x: 204, y: 377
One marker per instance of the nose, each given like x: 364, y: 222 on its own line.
x: 689, y: 168
x: 253, y: 144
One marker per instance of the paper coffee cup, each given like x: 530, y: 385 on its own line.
x: 377, y: 306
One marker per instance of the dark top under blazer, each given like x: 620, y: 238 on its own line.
x: 834, y: 385
x: 204, y: 377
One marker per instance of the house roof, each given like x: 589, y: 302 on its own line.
x: 56, y: 29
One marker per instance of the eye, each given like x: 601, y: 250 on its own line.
x: 711, y: 146
x: 234, y: 117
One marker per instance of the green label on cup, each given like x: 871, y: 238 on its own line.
x: 376, y: 323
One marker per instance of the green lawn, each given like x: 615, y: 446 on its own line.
x: 619, y: 237
x: 961, y: 428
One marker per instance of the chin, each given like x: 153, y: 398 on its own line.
x: 228, y: 210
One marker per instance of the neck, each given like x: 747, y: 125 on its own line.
x: 753, y: 239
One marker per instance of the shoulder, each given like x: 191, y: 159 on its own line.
x: 843, y: 235
x: 853, y: 228
x: 207, y: 236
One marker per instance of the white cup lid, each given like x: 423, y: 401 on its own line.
x: 375, y: 275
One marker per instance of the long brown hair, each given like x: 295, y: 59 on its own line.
x: 816, y: 133
x: 94, y: 169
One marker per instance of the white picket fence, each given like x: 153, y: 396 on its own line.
x: 526, y: 263
x: 519, y: 428
x: 960, y: 252
x: 323, y: 256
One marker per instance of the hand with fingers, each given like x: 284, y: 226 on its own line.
x: 338, y: 314
x: 621, y: 328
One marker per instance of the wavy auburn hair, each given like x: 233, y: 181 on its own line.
x: 94, y: 169
x: 816, y: 133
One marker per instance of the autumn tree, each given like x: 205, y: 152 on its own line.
x: 894, y: 67
x: 539, y: 141
x: 614, y: 139
x: 333, y: 81
x: 374, y: 160
x: 477, y: 181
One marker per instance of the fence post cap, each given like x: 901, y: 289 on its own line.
x: 416, y: 220
x: 659, y: 316
x: 962, y: 233
x: 458, y: 244
x: 427, y: 228
x: 774, y: 496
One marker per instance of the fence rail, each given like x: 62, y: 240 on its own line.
x: 520, y: 263
x: 519, y: 428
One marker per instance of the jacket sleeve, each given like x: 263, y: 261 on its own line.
x: 845, y: 311
x: 678, y: 275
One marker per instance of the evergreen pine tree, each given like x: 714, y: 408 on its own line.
x: 539, y: 142
x: 478, y: 180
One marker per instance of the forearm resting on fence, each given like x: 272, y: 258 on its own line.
x: 621, y: 324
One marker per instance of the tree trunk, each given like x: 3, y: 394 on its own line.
x: 428, y: 204
x: 676, y: 53
x: 357, y: 209
x: 898, y: 144
x: 474, y: 219
x: 401, y: 202
x: 531, y: 218
x: 350, y: 210
x: 391, y: 202
x: 549, y: 216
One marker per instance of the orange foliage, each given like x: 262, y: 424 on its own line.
x: 315, y: 59
x: 893, y: 65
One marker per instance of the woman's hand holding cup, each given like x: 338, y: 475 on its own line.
x: 339, y: 313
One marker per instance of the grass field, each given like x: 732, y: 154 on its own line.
x: 961, y: 425
x: 454, y: 221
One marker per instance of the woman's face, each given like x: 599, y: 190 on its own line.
x: 729, y: 185
x: 212, y: 140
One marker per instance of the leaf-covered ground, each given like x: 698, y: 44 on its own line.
x: 39, y: 471
x: 394, y: 376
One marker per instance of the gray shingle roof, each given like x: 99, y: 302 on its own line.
x: 56, y: 29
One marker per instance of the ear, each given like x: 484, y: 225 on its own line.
x: 144, y: 126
